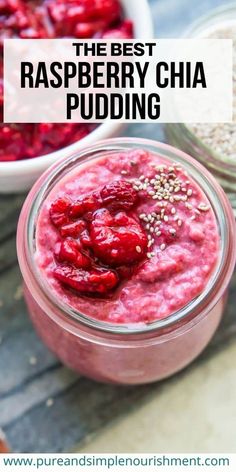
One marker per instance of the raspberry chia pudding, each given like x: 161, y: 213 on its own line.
x: 128, y: 249
x: 132, y: 230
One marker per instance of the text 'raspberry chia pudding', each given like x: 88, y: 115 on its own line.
x: 133, y: 251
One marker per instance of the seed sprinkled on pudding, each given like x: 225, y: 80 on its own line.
x: 168, y: 188
x: 203, y: 207
x: 138, y: 249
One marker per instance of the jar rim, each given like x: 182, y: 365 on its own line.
x: 210, y: 187
x: 208, y: 22
x: 206, y: 18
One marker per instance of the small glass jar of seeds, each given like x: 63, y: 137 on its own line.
x: 213, y: 144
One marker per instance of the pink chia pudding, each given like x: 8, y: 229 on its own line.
x: 127, y: 238
x: 126, y: 252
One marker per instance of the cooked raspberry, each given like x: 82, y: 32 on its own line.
x: 86, y: 204
x: 117, y: 240
x: 85, y: 239
x: 73, y: 229
x: 108, y: 10
x: 59, y: 211
x: 125, y: 272
x: 69, y: 251
x: 123, y: 31
x: 119, y: 195
x: 88, y: 30
x: 97, y: 281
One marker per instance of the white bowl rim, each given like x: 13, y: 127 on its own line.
x: 36, y: 163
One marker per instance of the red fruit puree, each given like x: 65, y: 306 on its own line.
x: 127, y: 238
x: 37, y: 19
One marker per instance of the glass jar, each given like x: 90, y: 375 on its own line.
x: 117, y: 353
x: 205, y: 143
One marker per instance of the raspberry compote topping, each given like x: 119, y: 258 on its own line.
x: 101, y: 238
x: 36, y: 19
x: 105, y: 239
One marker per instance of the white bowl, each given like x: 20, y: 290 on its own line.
x: 19, y: 176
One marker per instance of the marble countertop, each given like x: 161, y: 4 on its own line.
x: 44, y: 407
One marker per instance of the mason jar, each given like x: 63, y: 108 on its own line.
x: 125, y: 353
x: 212, y: 144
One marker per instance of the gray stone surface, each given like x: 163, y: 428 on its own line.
x: 29, y: 374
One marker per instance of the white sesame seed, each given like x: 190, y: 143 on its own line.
x: 151, y: 229
x: 172, y: 231
x: 166, y: 218
x: 180, y: 222
x: 173, y: 211
x: 135, y: 187
x: 124, y: 172
x: 148, y: 226
x: 162, y: 247
x: 189, y: 206
x: 142, y: 177
x: 142, y: 216
x: 203, y: 207
x: 138, y: 249
x: 189, y: 192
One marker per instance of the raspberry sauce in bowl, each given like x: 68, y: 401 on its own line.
x: 37, y: 19
x: 126, y: 252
